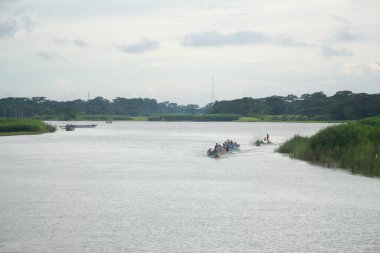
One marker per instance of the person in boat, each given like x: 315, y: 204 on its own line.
x: 268, y: 141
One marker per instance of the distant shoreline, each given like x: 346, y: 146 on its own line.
x: 234, y: 121
x: 195, y: 118
x: 20, y: 126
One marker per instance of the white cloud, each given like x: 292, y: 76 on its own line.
x: 329, y: 51
x: 8, y: 27
x: 60, y: 40
x: 371, y: 68
x: 346, y: 35
x: 27, y: 23
x: 140, y: 47
x: 216, y: 39
x: 374, y: 67
x: 246, y: 37
x: 79, y: 43
x: 288, y: 41
x: 48, y: 56
x: 64, y: 86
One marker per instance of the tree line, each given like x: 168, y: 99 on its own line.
x: 40, y: 107
x: 343, y: 105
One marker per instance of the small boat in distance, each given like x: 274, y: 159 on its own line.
x: 69, y: 127
x: 263, y: 141
x: 83, y: 126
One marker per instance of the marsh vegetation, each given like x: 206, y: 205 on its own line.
x: 15, y: 126
x: 354, y: 146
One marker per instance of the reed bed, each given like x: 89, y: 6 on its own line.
x: 14, y: 126
x: 353, y: 146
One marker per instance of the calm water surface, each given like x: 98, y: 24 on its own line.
x: 148, y: 187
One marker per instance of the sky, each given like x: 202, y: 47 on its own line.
x: 170, y: 49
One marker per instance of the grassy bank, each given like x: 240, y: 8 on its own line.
x: 14, y: 126
x: 186, y: 117
x: 353, y: 146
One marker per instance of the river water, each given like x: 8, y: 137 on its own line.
x: 149, y: 187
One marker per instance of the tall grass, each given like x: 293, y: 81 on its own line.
x: 13, y: 126
x: 297, y: 147
x: 352, y: 146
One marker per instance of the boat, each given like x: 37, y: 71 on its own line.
x: 227, y: 147
x: 84, y: 126
x: 69, y: 127
x: 262, y: 142
x: 213, y: 153
x: 231, y: 146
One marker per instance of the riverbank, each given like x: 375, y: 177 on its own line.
x: 353, y: 146
x: 191, y: 118
x: 15, y: 126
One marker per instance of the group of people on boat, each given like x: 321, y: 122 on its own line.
x: 228, y: 146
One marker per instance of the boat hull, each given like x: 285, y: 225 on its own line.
x: 85, y: 126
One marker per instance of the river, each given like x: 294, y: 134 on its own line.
x: 149, y: 187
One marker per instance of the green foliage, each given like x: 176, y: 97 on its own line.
x: 171, y: 117
x: 188, y: 117
x: 40, y: 107
x: 10, y: 126
x: 83, y: 116
x: 338, y: 137
x: 216, y: 117
x: 297, y: 146
x: 287, y: 118
x: 354, y: 146
x: 344, y: 105
x: 248, y: 119
x: 244, y: 106
x: 373, y: 121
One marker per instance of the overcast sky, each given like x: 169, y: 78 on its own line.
x: 169, y: 49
